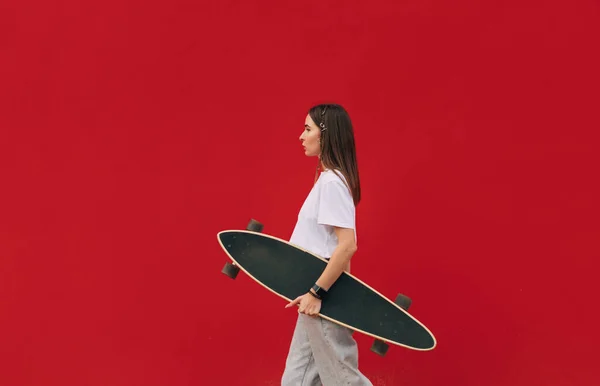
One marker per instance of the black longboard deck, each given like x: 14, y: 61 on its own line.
x: 290, y: 271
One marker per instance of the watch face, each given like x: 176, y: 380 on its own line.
x: 319, y: 290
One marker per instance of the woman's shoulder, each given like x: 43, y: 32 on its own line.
x: 335, y: 177
x: 333, y: 183
x: 332, y: 175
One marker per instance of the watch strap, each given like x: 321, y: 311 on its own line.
x: 320, y: 292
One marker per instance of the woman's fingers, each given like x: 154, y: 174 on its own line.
x: 293, y: 302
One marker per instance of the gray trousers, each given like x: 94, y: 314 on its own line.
x: 322, y: 352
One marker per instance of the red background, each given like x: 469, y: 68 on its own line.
x: 133, y: 131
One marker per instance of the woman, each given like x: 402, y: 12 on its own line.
x: 322, y: 351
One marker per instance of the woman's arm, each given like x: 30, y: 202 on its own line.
x: 340, y: 259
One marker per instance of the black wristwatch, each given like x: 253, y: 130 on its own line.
x: 320, y: 292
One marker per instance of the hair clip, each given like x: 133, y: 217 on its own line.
x: 324, y: 109
x: 322, y: 126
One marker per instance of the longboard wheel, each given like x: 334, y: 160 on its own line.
x: 230, y: 270
x: 380, y: 347
x: 403, y: 301
x: 254, y: 226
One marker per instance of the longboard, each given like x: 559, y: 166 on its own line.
x: 289, y: 271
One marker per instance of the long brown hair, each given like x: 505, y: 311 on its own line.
x: 338, y: 149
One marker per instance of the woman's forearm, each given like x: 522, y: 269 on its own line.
x: 337, y: 263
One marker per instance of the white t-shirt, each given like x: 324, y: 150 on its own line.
x: 328, y: 204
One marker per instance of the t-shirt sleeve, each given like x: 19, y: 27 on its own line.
x: 336, y: 206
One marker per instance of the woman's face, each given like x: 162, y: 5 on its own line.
x: 311, y: 138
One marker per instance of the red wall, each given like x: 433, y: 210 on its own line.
x: 132, y: 132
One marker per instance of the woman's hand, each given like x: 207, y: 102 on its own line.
x: 307, y: 304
